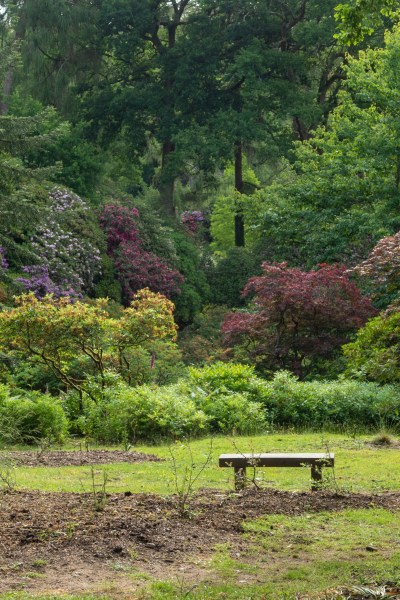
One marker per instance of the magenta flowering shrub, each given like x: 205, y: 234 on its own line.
x: 192, y: 219
x: 136, y: 267
x: 120, y: 224
x: 65, y: 243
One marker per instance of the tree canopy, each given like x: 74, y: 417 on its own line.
x: 296, y: 316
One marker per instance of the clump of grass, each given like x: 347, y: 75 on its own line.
x: 383, y: 439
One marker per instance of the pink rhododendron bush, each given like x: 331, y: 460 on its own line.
x: 136, y: 267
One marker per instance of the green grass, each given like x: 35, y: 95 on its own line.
x: 280, y: 557
x: 358, y: 468
x: 310, y: 553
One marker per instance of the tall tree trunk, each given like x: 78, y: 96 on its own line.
x: 167, y: 182
x: 239, y: 219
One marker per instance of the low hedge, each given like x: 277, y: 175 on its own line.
x: 128, y: 414
x: 145, y: 412
x: 319, y: 404
x: 288, y: 402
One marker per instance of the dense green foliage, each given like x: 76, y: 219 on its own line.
x: 30, y: 418
x: 345, y: 404
x: 129, y: 414
x: 126, y: 414
x: 288, y: 402
x: 76, y: 340
x: 374, y: 355
x: 341, y: 193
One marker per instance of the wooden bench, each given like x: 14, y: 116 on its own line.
x: 240, y: 462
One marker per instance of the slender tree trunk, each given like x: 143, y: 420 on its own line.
x: 167, y: 180
x: 239, y: 219
x: 167, y: 183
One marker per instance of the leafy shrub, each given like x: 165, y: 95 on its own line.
x: 195, y: 290
x: 296, y: 317
x: 136, y: 267
x: 374, y: 355
x: 230, y: 396
x: 227, y: 398
x: 32, y: 376
x: 78, y: 340
x: 288, y: 402
x: 66, y: 246
x: 147, y: 413
x: 158, y: 362
x: 30, y: 419
x: 229, y: 377
x: 4, y: 392
x: 232, y: 412
x: 126, y: 414
x: 229, y: 276
x: 381, y: 270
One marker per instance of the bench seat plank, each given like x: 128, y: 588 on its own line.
x: 276, y: 460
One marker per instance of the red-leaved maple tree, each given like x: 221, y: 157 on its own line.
x: 296, y: 317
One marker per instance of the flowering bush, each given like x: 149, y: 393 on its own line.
x: 136, y: 267
x: 191, y: 219
x: 40, y: 283
x: 120, y: 223
x: 144, y: 269
x: 70, y: 258
x: 382, y: 269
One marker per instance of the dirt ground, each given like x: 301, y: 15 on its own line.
x: 62, y: 458
x: 63, y: 543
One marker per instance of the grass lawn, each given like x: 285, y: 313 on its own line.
x: 359, y: 467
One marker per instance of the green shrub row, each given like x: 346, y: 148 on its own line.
x: 221, y: 398
x: 288, y: 402
x: 127, y: 414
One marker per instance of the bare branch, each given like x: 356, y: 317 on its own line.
x: 182, y: 7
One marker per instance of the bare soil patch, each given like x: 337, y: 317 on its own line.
x: 58, y: 542
x: 62, y: 458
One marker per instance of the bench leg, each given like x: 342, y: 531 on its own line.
x: 316, y: 477
x: 240, y: 478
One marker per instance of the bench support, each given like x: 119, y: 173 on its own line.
x: 316, y: 477
x: 240, y: 478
